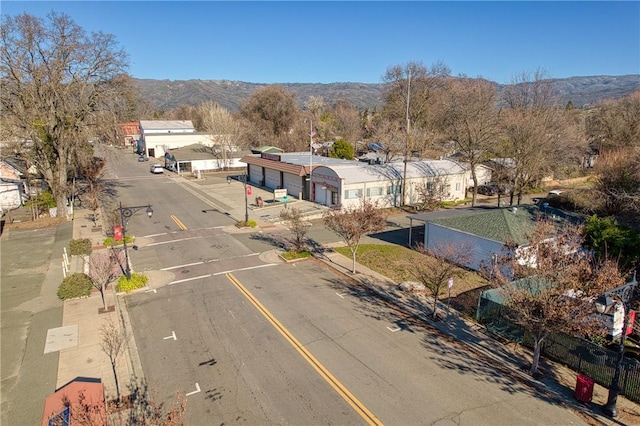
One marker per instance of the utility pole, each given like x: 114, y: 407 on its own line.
x: 407, y: 143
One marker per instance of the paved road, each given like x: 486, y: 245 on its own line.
x: 249, y: 371
x: 238, y: 368
x: 31, y: 274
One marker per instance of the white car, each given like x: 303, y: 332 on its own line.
x: 156, y: 168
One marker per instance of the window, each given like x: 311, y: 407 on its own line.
x: 457, y: 186
x: 375, y: 192
x: 394, y: 189
x: 334, y: 198
x: 351, y: 194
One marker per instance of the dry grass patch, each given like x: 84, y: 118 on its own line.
x: 392, y: 261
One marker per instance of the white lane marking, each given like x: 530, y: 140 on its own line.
x: 244, y: 269
x: 154, y: 235
x: 341, y: 295
x: 393, y: 330
x: 181, y: 266
x: 190, y: 279
x: 171, y: 241
x: 173, y: 336
x: 153, y: 290
x: 195, y: 391
x: 168, y: 268
x: 221, y: 273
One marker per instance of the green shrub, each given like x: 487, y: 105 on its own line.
x: 43, y: 200
x: 76, y: 285
x: 110, y: 241
x: 79, y: 247
x: 137, y: 281
x: 292, y: 254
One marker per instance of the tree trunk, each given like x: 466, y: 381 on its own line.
x: 115, y: 378
x: 104, y: 299
x: 474, y: 178
x: 435, y: 307
x: 537, y: 348
x: 353, y: 255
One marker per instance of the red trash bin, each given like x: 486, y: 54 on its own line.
x: 584, y: 388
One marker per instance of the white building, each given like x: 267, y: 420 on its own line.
x: 340, y: 183
x: 157, y: 137
x: 197, y: 159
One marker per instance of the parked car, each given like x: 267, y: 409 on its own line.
x: 143, y: 158
x: 487, y: 190
x: 156, y: 168
x: 501, y: 188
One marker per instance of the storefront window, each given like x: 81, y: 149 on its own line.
x: 351, y: 194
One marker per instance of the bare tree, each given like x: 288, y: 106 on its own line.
x: 431, y: 194
x: 618, y: 181
x: 616, y: 124
x: 294, y: 220
x: 59, y: 87
x: 273, y: 112
x: 438, y: 265
x: 347, y: 120
x: 103, y: 268
x: 390, y: 136
x: 472, y: 121
x: 225, y: 130
x: 410, y: 97
x: 84, y: 411
x: 532, y: 131
x: 142, y: 409
x: 555, y: 284
x: 352, y: 223
x: 114, y: 340
x: 92, y: 185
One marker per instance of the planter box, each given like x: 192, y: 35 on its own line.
x: 293, y: 260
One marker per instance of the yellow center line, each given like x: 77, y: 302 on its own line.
x: 324, y: 373
x: 178, y: 222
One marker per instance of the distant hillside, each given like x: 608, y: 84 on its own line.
x: 168, y: 94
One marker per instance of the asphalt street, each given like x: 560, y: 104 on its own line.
x: 31, y: 273
x: 246, y: 337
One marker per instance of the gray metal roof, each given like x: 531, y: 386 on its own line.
x: 150, y: 125
x: 363, y: 172
x: 304, y: 159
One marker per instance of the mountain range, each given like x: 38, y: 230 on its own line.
x: 168, y: 94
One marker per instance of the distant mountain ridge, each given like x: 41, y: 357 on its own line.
x: 168, y: 94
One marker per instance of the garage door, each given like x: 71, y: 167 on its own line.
x: 255, y: 175
x: 272, y: 179
x: 293, y: 185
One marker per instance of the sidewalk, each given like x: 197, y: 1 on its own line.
x: 87, y: 359
x: 214, y: 190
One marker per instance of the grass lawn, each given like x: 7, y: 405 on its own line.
x: 392, y: 261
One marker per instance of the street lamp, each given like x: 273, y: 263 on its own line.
x: 125, y: 214
x: 604, y: 304
x: 246, y: 202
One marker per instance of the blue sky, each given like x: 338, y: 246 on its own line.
x: 336, y: 41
